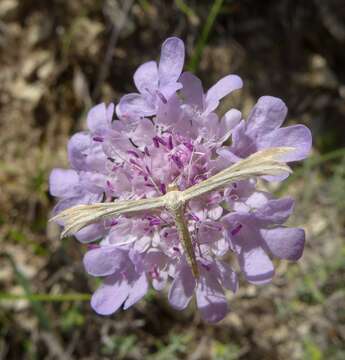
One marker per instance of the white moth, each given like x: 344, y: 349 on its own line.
x: 264, y: 162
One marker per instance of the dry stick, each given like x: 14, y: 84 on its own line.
x: 115, y: 33
x: 264, y: 162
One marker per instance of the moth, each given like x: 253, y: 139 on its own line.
x: 262, y: 163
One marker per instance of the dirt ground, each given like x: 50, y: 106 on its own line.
x: 57, y: 59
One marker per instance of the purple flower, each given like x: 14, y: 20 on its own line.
x: 254, y: 235
x: 155, y: 83
x: 192, y: 113
x: 262, y: 130
x: 168, y: 134
x: 193, y: 93
x: 210, y: 296
x: 123, y: 284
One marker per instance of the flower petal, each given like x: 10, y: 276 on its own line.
x: 134, y: 105
x: 246, y: 240
x: 146, y: 77
x: 223, y: 87
x: 77, y: 148
x: 143, y: 133
x: 192, y: 91
x: 63, y: 183
x: 215, y: 212
x: 275, y: 211
x: 297, y: 136
x: 104, y: 261
x: 171, y: 61
x: 242, y: 144
x: 210, y: 298
x: 231, y: 119
x: 126, y: 231
x: 267, y: 115
x: 97, y: 117
x: 228, y: 276
x: 160, y: 282
x: 256, y: 265
x: 169, y: 114
x: 182, y: 288
x: 285, y: 243
x: 90, y: 233
x: 168, y: 90
x: 110, y: 296
x: 138, y: 290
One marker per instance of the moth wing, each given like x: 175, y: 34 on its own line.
x: 264, y: 162
x: 77, y: 217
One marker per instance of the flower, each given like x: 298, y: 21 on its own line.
x: 252, y: 235
x: 262, y: 130
x: 169, y: 136
x: 123, y: 284
x: 155, y: 83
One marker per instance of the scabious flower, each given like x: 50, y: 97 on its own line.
x: 169, y: 134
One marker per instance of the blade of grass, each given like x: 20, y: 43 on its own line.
x: 201, y: 43
x: 25, y: 284
x: 188, y: 11
x: 46, y: 297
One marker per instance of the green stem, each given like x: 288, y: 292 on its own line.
x: 46, y: 297
x: 215, y: 9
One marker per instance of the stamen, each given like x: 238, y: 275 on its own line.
x: 98, y: 138
x: 134, y: 162
x: 213, y: 226
x: 131, y: 152
x: 177, y: 161
x: 207, y: 267
x: 155, y: 221
x: 133, y: 143
x: 162, y: 97
x: 146, y: 151
x: 163, y: 188
x: 189, y: 146
x: 148, y: 90
x: 110, y: 186
x: 160, y: 140
x: 170, y: 143
x: 236, y: 230
x: 147, y: 169
x: 155, y: 142
x: 194, y: 217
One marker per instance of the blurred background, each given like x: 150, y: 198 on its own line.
x: 57, y: 59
